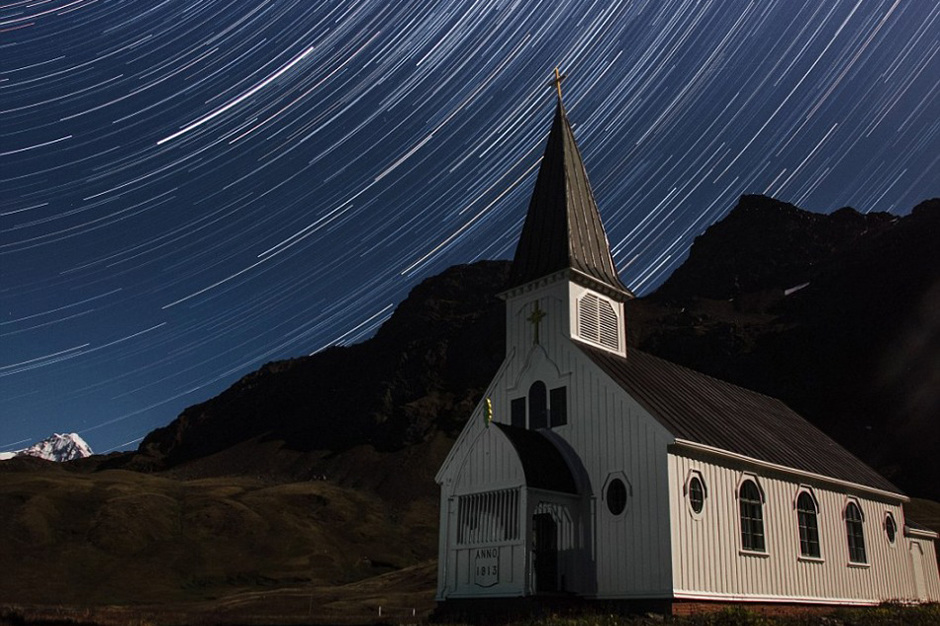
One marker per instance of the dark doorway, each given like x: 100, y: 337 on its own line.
x: 546, y: 552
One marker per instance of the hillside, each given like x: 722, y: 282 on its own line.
x: 854, y: 345
x: 316, y: 472
x: 852, y: 348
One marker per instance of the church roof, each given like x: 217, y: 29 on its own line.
x: 562, y: 228
x: 543, y: 464
x: 704, y: 410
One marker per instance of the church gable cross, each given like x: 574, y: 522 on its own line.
x: 536, y: 318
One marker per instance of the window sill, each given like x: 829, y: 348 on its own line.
x: 744, y: 552
x: 811, y: 559
x: 859, y: 565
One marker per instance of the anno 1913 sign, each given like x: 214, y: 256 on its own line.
x: 486, y: 567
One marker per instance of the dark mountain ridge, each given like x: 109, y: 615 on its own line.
x: 852, y: 347
x: 309, y: 482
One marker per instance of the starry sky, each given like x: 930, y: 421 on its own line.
x: 192, y: 188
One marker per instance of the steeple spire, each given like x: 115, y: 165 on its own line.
x: 563, y: 228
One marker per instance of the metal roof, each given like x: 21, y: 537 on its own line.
x: 562, y: 228
x: 543, y: 464
x: 698, y: 408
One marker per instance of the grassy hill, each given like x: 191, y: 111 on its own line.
x: 121, y: 537
x: 306, y: 488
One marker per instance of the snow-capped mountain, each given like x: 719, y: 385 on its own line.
x: 58, y: 447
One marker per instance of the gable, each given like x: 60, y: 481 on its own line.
x: 711, y: 412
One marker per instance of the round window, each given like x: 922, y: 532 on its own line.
x: 696, y: 494
x: 616, y: 496
x: 891, y: 528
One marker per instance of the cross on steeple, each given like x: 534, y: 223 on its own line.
x: 536, y: 318
x: 556, y: 82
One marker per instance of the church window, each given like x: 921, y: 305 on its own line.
x: 752, y: 517
x: 855, y: 533
x: 538, y: 405
x: 490, y: 517
x: 891, y: 528
x: 517, y: 412
x: 696, y: 494
x: 558, y: 398
x: 616, y: 496
x: 597, y: 321
x: 808, y: 525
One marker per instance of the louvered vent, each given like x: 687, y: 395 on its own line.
x: 588, y: 318
x: 597, y: 321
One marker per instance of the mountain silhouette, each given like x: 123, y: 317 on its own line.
x: 834, y: 314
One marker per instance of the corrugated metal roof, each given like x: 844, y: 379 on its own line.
x: 562, y: 227
x: 704, y: 410
x: 543, y: 464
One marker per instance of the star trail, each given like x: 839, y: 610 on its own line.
x: 191, y: 189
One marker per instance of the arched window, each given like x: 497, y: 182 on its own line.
x: 809, y: 529
x: 891, y: 528
x: 855, y: 533
x: 538, y: 405
x: 752, y: 517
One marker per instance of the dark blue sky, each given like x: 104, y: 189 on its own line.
x: 192, y: 189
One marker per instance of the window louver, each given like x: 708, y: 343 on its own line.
x: 597, y: 321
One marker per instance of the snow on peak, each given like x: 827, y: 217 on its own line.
x: 58, y: 447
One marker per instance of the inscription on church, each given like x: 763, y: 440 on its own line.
x: 486, y: 567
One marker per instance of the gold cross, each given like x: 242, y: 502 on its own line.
x: 536, y: 318
x: 557, y: 81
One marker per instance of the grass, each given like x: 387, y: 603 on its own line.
x: 884, y: 615
x: 120, y: 548
x: 119, y: 538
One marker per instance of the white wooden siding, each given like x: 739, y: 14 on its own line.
x: 490, y: 463
x: 708, y: 561
x: 609, y: 432
x: 484, y: 461
x: 923, y: 560
x: 656, y: 548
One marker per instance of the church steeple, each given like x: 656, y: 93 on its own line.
x: 563, y: 229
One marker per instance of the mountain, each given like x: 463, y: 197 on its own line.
x: 57, y: 448
x: 309, y: 482
x: 834, y: 314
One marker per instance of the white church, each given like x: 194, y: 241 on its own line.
x: 597, y: 472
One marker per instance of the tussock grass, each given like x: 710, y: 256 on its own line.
x: 117, y: 537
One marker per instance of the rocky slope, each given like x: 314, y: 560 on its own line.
x: 318, y: 471
x: 835, y: 314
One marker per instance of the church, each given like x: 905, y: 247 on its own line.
x: 597, y: 472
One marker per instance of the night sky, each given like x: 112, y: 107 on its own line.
x: 192, y: 188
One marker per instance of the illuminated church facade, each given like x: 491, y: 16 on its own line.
x: 590, y: 471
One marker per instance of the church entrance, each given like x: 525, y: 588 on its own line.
x: 545, y: 555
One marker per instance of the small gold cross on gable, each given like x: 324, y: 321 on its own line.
x: 536, y: 318
x: 556, y: 82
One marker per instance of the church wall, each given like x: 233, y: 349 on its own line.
x: 923, y: 554
x: 609, y: 435
x: 489, y: 562
x: 708, y: 560
x: 617, y: 439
